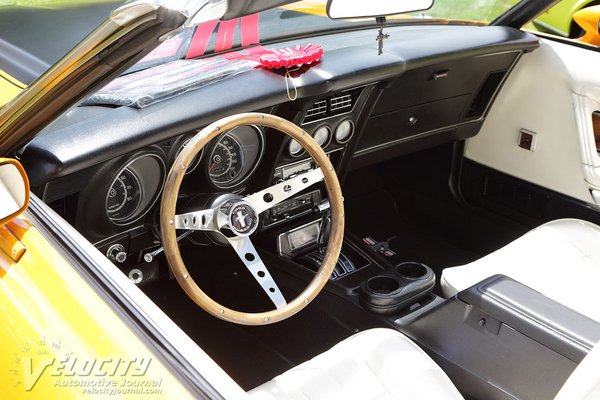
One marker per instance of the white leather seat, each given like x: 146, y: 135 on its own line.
x: 384, y: 364
x: 374, y: 364
x: 560, y: 259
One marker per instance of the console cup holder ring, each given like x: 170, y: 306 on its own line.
x: 396, y: 288
x: 413, y: 270
x: 380, y: 293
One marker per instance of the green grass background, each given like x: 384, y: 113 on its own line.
x: 478, y: 10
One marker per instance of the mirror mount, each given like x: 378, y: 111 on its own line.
x: 381, y: 36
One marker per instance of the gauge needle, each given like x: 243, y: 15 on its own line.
x: 212, y: 166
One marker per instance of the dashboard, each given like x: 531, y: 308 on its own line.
x: 103, y: 168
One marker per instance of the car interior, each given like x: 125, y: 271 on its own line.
x: 467, y: 162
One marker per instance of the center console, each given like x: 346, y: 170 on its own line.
x: 500, y: 339
x: 375, y: 285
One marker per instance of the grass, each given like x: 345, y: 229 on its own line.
x: 476, y: 10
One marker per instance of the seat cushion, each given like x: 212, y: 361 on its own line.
x: 374, y: 364
x: 560, y: 259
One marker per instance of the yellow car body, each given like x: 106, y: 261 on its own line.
x: 61, y: 339
x: 9, y: 88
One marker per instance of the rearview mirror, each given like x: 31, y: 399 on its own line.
x: 14, y: 189
x: 338, y: 9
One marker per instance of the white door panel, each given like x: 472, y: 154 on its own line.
x: 552, y: 92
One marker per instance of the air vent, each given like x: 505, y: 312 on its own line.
x: 341, y: 103
x: 337, y: 104
x: 317, y: 111
x: 485, y: 94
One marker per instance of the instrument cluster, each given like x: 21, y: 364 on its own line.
x: 132, y: 185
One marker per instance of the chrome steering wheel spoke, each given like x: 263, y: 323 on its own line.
x: 202, y: 220
x: 271, y: 196
x: 247, y: 253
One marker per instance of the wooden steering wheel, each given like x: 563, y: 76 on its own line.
x: 236, y: 220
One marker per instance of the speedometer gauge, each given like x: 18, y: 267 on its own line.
x: 226, y: 161
x: 234, y: 156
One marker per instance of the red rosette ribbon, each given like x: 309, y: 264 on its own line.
x: 292, y: 56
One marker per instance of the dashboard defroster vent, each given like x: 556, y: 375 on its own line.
x: 317, y: 111
x: 337, y: 104
x: 343, y: 102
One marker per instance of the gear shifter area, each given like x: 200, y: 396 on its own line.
x: 343, y: 266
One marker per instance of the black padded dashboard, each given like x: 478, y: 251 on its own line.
x: 88, y: 136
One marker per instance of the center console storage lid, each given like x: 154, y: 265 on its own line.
x: 548, y: 322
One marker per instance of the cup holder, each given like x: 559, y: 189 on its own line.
x: 396, y: 289
x: 380, y: 293
x: 412, y: 270
x: 383, y: 284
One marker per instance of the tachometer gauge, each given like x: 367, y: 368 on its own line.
x: 123, y: 197
x: 226, y: 161
x: 322, y: 135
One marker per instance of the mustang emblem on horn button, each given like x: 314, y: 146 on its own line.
x: 243, y: 219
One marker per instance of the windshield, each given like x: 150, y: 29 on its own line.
x: 301, y: 19
x: 47, y: 29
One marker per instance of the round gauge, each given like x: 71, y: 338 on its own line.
x: 134, y: 189
x: 322, y: 135
x: 226, y: 161
x: 196, y: 159
x: 344, y: 131
x: 124, y: 196
x: 295, y: 148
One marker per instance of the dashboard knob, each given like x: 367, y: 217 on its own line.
x: 136, y: 276
x: 116, y: 253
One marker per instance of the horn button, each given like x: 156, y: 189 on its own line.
x: 237, y: 216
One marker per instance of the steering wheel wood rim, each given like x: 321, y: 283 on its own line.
x: 168, y: 212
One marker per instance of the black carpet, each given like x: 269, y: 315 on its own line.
x: 254, y: 355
